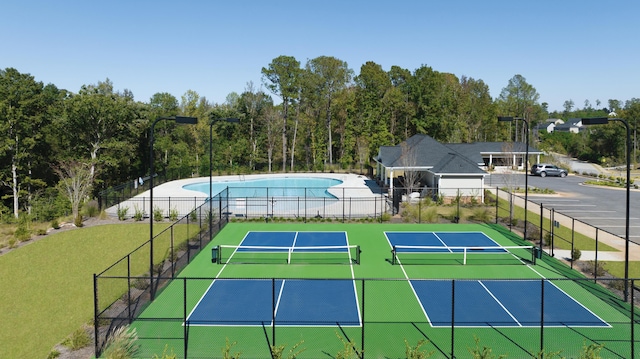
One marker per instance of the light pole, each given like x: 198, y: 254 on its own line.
x: 177, y: 119
x: 228, y: 119
x: 602, y: 121
x: 524, y: 166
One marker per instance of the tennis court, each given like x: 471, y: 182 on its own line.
x: 375, y: 286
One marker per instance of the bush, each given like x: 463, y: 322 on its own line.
x: 138, y: 214
x: 122, y: 344
x: 415, y: 352
x: 482, y: 215
x: 78, y: 339
x: 55, y: 224
x: 122, y: 213
x: 598, y: 270
x: 91, y: 208
x: 226, y: 351
x: 158, y: 214
x: 23, y: 231
x: 173, y: 214
x: 166, y: 355
x: 575, y: 254
x: 78, y: 221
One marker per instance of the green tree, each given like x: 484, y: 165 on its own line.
x: 23, y: 117
x: 282, y: 77
x: 519, y: 99
x: 99, y: 128
x: 331, y: 76
x: 372, y: 83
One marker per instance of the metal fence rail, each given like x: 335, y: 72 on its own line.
x: 117, y: 302
x: 385, y: 324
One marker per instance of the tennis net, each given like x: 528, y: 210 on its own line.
x: 230, y: 254
x: 406, y: 254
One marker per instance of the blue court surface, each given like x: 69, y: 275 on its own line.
x: 501, y: 303
x: 439, y: 239
x: 294, y: 239
x: 291, y: 302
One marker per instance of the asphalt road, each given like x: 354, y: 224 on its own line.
x: 602, y: 207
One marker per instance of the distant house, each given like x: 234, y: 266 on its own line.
x: 448, y: 169
x: 573, y: 125
x: 547, y: 126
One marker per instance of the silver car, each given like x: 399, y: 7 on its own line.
x: 546, y: 169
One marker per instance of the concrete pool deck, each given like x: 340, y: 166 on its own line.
x: 173, y: 196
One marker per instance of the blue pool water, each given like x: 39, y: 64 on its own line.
x: 271, y: 187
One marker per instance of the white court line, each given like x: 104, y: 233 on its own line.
x: 500, y: 304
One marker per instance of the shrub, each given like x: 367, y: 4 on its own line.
x: 415, y: 352
x: 598, y: 270
x: 226, y: 351
x: 78, y: 221
x: 55, y: 224
x: 78, y: 339
x: 138, y: 214
x: 591, y: 351
x: 23, y: 231
x: 122, y: 213
x: 193, y: 216
x: 576, y: 254
x: 482, y: 215
x: 140, y: 283
x: 173, y: 214
x: 158, y: 214
x: 349, y: 349
x: 91, y: 208
x: 277, y: 352
x: 165, y: 355
x: 482, y: 353
x: 122, y: 344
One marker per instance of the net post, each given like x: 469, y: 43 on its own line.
x: 464, y: 256
x: 393, y: 255
x: 358, y: 251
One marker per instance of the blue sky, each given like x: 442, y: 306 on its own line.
x: 567, y: 49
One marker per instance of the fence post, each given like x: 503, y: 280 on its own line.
x: 362, y: 316
x: 96, y: 330
x: 453, y: 317
x: 632, y: 339
x: 573, y: 231
x: 542, y: 315
x: 553, y: 231
x: 541, y: 223
x: 343, y: 204
x: 184, y: 314
x: 273, y: 312
x: 595, y: 266
x: 129, y: 288
x: 497, y: 202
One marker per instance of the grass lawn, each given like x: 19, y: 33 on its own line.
x: 46, y: 287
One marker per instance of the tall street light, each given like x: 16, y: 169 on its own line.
x: 602, y: 121
x: 177, y: 119
x: 524, y: 166
x: 228, y: 119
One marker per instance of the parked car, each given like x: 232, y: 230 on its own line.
x: 545, y: 169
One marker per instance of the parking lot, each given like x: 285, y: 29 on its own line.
x: 602, y: 207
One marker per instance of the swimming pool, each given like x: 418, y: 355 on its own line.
x: 309, y: 187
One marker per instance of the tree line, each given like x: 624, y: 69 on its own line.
x: 320, y: 116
